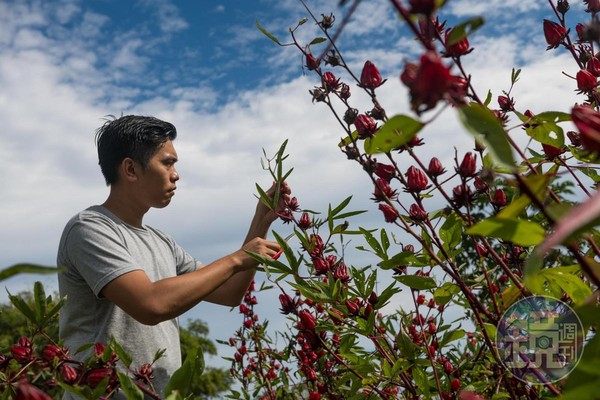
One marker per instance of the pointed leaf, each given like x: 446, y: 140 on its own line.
x: 192, y: 367
x: 486, y: 128
x: 417, y: 282
x: 26, y: 268
x: 520, y: 232
x: 395, y: 133
x: 464, y: 29
x: 131, y: 391
x: 267, y: 34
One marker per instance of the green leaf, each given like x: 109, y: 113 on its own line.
x: 451, y: 231
x: 520, y: 232
x: 486, y: 128
x: 544, y: 128
x: 555, y: 280
x: 538, y: 185
x: 451, y: 336
x: 445, y: 293
x: 124, y: 356
x: 25, y: 268
x: 417, y: 282
x: 464, y: 29
x: 22, y: 306
x: 395, y: 133
x: 267, y: 34
x: 131, y: 391
x: 192, y: 367
x: 318, y: 40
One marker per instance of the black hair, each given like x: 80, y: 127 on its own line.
x: 134, y: 136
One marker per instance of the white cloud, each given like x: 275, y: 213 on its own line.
x: 492, y: 8
x: 56, y: 89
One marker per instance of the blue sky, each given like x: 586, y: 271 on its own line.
x: 65, y: 64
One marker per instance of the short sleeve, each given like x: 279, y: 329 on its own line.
x: 96, y: 249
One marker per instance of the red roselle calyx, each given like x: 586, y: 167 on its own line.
x: 587, y: 122
x: 416, y: 180
x: 385, y: 171
x: 365, y: 126
x: 330, y: 82
x: 551, y: 151
x: 593, y: 66
x: 506, y: 103
x: 426, y: 7
x: 311, y: 62
x: 593, y: 6
x: 435, y: 168
x: 304, y: 222
x: 428, y: 83
x: 370, y: 78
x: 457, y: 49
x: 586, y: 81
x: 307, y: 320
x: 468, y: 166
x: 383, y: 190
x: 554, y: 34
x: 68, y: 374
x: 416, y: 213
x: 389, y: 213
x: 288, y: 305
x: 499, y: 199
x: 341, y: 273
x: 27, y: 391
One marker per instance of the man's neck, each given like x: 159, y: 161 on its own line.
x: 123, y: 207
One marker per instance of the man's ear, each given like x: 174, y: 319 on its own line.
x: 129, y: 169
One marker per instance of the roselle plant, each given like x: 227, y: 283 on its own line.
x: 38, y: 368
x: 494, y: 242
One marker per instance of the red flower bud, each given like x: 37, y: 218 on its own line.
x: 551, y: 151
x: 330, y: 82
x: 26, y: 391
x: 506, y: 103
x: 316, y: 245
x: 409, y: 75
x: 370, y: 78
x: 23, y: 354
x: 304, y: 223
x: 95, y: 376
x: 341, y: 273
x: 457, y: 49
x: 365, y: 126
x: 385, y: 171
x: 68, y: 374
x: 586, y: 81
x: 352, y: 306
x: 24, y: 342
x: 574, y: 138
x: 321, y: 266
x: 416, y: 180
x: 448, y: 367
x: 435, y: 167
x: 288, y: 305
x: 99, y: 349
x: 416, y: 213
x: 461, y: 195
x: 499, y: 199
x: 307, y: 320
x: 468, y: 166
x: 432, y: 81
x: 481, y: 250
x: 311, y: 375
x: 554, y: 33
x: 383, y: 190
x: 480, y: 184
x: 311, y: 62
x: 593, y: 6
x: 455, y: 384
x: 580, y: 29
x: 389, y: 213
x: 587, y: 122
x: 420, y: 299
x: 593, y: 66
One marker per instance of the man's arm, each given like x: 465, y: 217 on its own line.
x: 223, y: 281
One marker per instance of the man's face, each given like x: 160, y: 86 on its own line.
x: 157, y: 181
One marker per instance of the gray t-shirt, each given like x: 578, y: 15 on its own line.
x: 97, y: 247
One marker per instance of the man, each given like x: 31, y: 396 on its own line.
x: 127, y: 280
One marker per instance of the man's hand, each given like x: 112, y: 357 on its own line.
x: 271, y: 215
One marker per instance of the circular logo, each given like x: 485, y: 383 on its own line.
x: 540, y: 339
